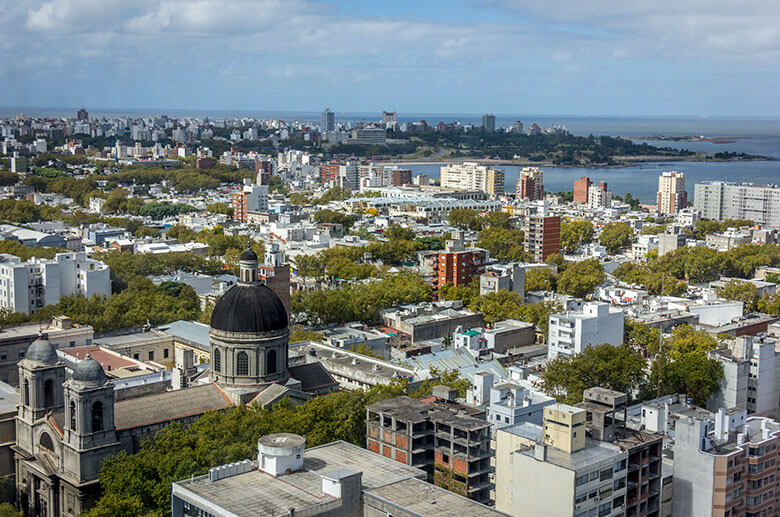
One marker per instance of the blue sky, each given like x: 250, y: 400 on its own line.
x: 609, y: 57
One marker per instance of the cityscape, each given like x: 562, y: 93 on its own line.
x: 379, y: 297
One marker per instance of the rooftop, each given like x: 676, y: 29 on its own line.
x: 257, y: 493
x: 413, y: 410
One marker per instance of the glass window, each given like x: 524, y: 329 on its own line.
x: 242, y: 364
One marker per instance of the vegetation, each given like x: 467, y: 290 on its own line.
x: 574, y: 234
x: 540, y: 279
x: 334, y: 217
x: 26, y: 252
x: 744, y: 292
x: 360, y: 302
x: 616, y: 236
x: 618, y: 368
x: 581, y: 278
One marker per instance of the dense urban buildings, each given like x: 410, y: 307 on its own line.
x: 27, y: 286
x: 457, y: 265
x: 570, y: 332
x: 671, y: 192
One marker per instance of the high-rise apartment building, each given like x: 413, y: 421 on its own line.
x: 530, y: 184
x: 718, y: 201
x: 389, y: 116
x: 517, y: 127
x: 599, y: 196
x: 456, y: 265
x: 581, y: 187
x: 249, y: 198
x: 542, y: 236
x: 580, y: 462
x: 472, y: 176
x: 726, y: 466
x: 671, y: 192
x: 328, y: 120
x: 82, y: 115
x: 489, y: 122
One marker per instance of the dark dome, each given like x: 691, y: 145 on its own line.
x: 42, y: 351
x: 249, y: 308
x: 89, y: 370
x: 249, y: 255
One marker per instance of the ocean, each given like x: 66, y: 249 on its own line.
x: 759, y: 136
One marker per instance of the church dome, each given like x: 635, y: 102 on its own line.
x: 249, y: 308
x: 90, y: 371
x: 248, y: 256
x: 42, y: 351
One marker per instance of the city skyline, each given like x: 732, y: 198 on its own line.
x: 681, y: 58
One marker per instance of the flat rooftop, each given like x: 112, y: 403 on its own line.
x: 414, y: 495
x: 412, y: 410
x: 594, y: 452
x: 257, y: 493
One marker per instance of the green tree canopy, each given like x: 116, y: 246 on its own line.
x: 616, y: 236
x: 581, y: 278
x: 574, y: 234
x: 744, y: 292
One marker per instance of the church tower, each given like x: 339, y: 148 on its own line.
x: 249, y: 332
x: 89, y: 434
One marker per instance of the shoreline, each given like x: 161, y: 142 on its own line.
x: 631, y: 161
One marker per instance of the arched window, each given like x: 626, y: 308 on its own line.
x: 48, y: 393
x: 73, y: 415
x: 242, y: 364
x: 46, y: 442
x: 270, y: 362
x: 217, y: 360
x: 26, y: 392
x: 97, y: 417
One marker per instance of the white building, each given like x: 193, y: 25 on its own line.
x: 718, y: 201
x: 27, y: 286
x: 671, y: 192
x: 571, y: 332
x: 472, y: 176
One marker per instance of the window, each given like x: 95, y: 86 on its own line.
x: 151, y: 355
x: 605, y: 474
x: 580, y: 499
x: 136, y: 357
x: 72, y: 344
x: 594, y: 475
x: 48, y: 393
x: 581, y: 480
x: 753, y: 500
x: 21, y: 353
x: 270, y: 362
x: 46, y: 442
x: 620, y: 465
x: 26, y: 392
x: 217, y: 360
x: 97, y: 417
x: 242, y: 364
x: 165, y: 353
x: 619, y: 483
x: 73, y: 415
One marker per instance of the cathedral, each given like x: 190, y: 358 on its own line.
x: 67, y: 424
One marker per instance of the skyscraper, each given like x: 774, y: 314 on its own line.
x: 581, y: 187
x: 489, y: 121
x: 82, y: 115
x: 671, y: 192
x: 328, y: 120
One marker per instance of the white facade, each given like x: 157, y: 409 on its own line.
x: 719, y: 201
x: 256, y: 197
x: 671, y: 192
x: 599, y: 197
x: 470, y: 176
x: 571, y: 332
x: 27, y: 286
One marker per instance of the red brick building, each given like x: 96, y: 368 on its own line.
x: 329, y: 172
x: 453, y: 448
x: 239, y: 206
x: 581, y: 187
x: 542, y: 236
x: 458, y: 267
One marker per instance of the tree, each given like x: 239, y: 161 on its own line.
x: 685, y: 366
x: 503, y: 244
x: 770, y: 305
x: 581, y: 278
x: 220, y: 208
x: 396, y: 232
x: 744, y: 292
x: 465, y: 219
x: 539, y: 279
x: 574, y: 234
x: 335, y: 217
x: 616, y: 236
x: 618, y: 368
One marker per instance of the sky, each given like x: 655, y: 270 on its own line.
x: 574, y: 57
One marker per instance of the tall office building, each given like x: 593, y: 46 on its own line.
x: 530, y: 184
x: 328, y: 122
x: 472, y: 176
x: 671, y: 192
x: 581, y: 187
x: 542, y: 236
x: 489, y: 122
x: 249, y: 198
x: 718, y: 201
